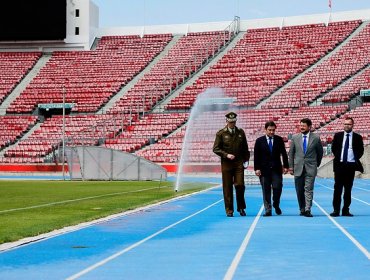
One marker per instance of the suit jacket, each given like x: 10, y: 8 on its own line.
x: 266, y: 161
x: 311, y: 160
x: 357, y: 147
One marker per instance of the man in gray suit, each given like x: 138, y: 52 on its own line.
x: 305, y: 155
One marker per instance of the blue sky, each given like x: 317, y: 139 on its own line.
x: 157, y: 12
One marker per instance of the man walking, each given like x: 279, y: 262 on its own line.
x: 347, y: 148
x: 268, y: 152
x: 231, y: 145
x: 305, y: 155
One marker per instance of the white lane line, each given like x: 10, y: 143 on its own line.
x: 364, y: 202
x: 72, y: 200
x: 45, y: 236
x: 346, y: 233
x: 355, y: 187
x: 116, y: 255
x: 358, y: 188
x: 364, y: 182
x: 354, y: 198
x: 234, y: 264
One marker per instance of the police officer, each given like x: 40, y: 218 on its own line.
x: 231, y: 145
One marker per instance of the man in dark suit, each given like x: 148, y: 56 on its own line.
x: 305, y: 155
x: 231, y: 145
x: 268, y: 151
x: 347, y: 148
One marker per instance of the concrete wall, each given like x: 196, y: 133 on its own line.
x: 244, y: 24
x: 87, y: 22
x: 307, y: 19
x: 326, y: 168
x: 366, y: 163
x: 163, y: 29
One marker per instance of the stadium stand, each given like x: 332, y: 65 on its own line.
x: 13, y: 67
x: 350, y: 88
x: 79, y: 130
x: 360, y: 116
x: 146, y: 130
x: 13, y: 127
x: 90, y: 78
x: 184, y: 58
x: 266, y: 59
x: 201, y: 142
x: 273, y: 73
x: 336, y: 68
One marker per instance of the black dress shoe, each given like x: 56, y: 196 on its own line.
x: 307, y: 213
x: 267, y: 214
x: 347, y: 214
x: 301, y: 213
x: 334, y: 214
x: 229, y: 214
x: 242, y: 212
x: 278, y: 211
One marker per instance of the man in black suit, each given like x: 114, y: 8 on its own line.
x: 347, y: 148
x: 268, y: 151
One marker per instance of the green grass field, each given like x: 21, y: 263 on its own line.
x: 29, y: 208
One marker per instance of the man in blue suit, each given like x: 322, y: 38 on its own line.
x: 347, y: 148
x: 268, y: 152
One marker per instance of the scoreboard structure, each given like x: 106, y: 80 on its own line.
x: 48, y: 25
x: 32, y: 20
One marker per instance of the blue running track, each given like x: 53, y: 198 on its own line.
x: 191, y: 238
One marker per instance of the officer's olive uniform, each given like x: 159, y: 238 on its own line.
x: 232, y: 170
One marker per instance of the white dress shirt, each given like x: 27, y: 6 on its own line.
x: 351, y: 156
x: 272, y: 140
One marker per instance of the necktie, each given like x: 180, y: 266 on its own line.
x: 270, y: 144
x: 304, y: 144
x: 345, y: 150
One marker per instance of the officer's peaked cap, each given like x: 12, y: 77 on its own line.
x: 231, y: 117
